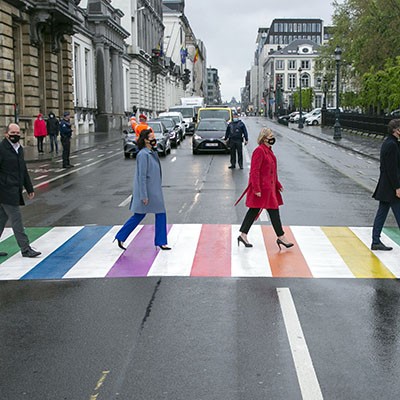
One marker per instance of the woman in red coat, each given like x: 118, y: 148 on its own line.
x: 39, y: 131
x: 264, y: 189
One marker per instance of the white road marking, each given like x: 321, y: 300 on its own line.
x: 264, y: 216
x: 173, y: 159
x: 86, y: 152
x: 73, y: 156
x: 249, y: 261
x: 73, y: 171
x: 247, y: 157
x: 90, y: 159
x: 126, y: 201
x: 40, y: 177
x: 306, y: 375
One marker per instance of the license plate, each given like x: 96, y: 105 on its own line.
x: 211, y: 144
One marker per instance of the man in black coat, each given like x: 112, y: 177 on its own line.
x: 66, y: 134
x: 13, y: 178
x: 388, y: 189
x: 235, y: 133
x: 53, y: 128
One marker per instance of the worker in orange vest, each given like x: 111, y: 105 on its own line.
x: 133, y: 123
x: 142, y: 125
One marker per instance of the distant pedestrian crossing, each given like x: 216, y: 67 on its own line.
x: 200, y: 250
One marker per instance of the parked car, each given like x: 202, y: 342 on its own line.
x: 284, y: 119
x: 179, y: 118
x: 209, y: 136
x: 314, y: 120
x: 293, y: 115
x: 129, y: 143
x: 173, y: 128
x: 161, y: 133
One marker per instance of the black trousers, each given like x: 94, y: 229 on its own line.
x: 251, y: 216
x: 66, y: 144
x: 40, y: 143
x: 236, y: 147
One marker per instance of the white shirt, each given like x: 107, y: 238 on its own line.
x: 15, y: 145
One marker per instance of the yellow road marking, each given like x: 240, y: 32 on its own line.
x: 99, y: 385
x: 360, y: 260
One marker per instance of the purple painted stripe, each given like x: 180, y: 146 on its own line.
x: 139, y: 256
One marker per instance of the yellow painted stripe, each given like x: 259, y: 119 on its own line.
x: 361, y: 261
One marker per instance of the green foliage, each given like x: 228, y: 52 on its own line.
x: 307, y: 96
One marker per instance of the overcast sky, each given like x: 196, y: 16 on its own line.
x: 229, y: 32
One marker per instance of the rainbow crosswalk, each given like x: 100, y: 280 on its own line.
x: 201, y: 251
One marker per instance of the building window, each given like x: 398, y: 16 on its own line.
x: 280, y: 81
x: 292, y: 64
x: 292, y: 81
x: 305, y: 64
x: 305, y: 81
x: 78, y: 77
x: 280, y: 64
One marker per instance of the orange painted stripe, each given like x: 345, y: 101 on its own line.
x: 213, y: 253
x: 285, y: 263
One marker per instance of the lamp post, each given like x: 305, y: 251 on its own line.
x: 325, y: 90
x: 301, y: 126
x: 337, y: 128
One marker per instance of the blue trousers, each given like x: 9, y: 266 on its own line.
x: 161, y: 228
x: 381, y: 216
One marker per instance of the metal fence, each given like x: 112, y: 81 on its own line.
x: 358, y: 122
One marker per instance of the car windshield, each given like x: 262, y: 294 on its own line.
x: 169, y: 123
x: 187, y: 112
x: 224, y: 114
x: 211, y: 129
x: 156, y: 127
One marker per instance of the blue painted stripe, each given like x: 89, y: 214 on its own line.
x: 58, y: 263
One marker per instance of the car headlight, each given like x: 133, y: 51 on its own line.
x: 197, y: 137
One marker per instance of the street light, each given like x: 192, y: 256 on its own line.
x: 337, y: 128
x: 325, y: 89
x: 301, y: 126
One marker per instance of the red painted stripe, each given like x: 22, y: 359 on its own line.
x: 213, y: 253
x: 285, y: 263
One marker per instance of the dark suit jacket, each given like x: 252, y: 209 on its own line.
x: 13, y: 175
x: 389, y: 178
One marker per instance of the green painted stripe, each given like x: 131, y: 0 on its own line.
x: 10, y: 244
x: 393, y: 233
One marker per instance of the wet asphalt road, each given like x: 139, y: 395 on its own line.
x: 200, y: 338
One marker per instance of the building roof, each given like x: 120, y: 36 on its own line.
x: 293, y: 47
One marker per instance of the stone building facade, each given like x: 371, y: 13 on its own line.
x: 35, y: 60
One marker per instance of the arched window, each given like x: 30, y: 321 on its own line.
x: 305, y: 81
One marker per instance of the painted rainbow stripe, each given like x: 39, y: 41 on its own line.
x: 201, y: 251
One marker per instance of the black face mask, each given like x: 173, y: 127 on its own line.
x: 153, y: 142
x: 271, y: 141
x: 14, y: 138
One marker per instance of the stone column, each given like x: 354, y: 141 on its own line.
x: 117, y: 89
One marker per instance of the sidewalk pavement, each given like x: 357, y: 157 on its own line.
x: 78, y: 143
x: 365, y: 144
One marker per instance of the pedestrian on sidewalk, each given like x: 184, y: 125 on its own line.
x: 65, y: 135
x: 235, y: 133
x: 387, y: 191
x: 13, y: 178
x: 147, y: 194
x: 53, y: 128
x: 39, y: 131
x: 264, y: 190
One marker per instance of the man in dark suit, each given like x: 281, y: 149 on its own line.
x: 13, y: 178
x: 388, y: 189
x: 235, y: 133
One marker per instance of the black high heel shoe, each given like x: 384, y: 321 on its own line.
x: 120, y: 245
x: 247, y: 244
x: 280, y: 242
x: 164, y: 247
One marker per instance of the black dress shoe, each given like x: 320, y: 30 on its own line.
x: 71, y: 166
x: 231, y: 167
x: 164, y: 247
x: 121, y: 245
x: 241, y: 167
x: 381, y: 246
x: 3, y: 254
x: 31, y: 253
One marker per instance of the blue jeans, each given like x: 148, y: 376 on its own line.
x: 161, y: 228
x: 381, y: 216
